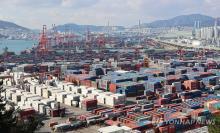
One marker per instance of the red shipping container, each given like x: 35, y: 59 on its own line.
x: 43, y: 68
x: 57, y: 112
x: 54, y: 113
x: 172, y: 128
x: 162, y: 101
x: 29, y: 68
x: 67, y: 79
x: 89, y: 104
x: 174, y: 96
x: 215, y: 112
x: 118, y: 106
x: 96, y: 110
x: 112, y: 88
x: 138, y: 66
x: 27, y: 112
x: 173, y: 89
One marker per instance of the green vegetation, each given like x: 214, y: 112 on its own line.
x: 7, y: 116
x: 215, y: 128
x: 9, y: 120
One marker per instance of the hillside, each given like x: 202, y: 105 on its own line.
x: 10, y: 25
x: 82, y: 28
x: 183, y: 20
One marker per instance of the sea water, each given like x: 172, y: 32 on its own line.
x: 16, y: 45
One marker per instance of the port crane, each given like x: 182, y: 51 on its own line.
x: 43, y: 47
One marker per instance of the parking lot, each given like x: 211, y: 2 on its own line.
x: 70, y: 112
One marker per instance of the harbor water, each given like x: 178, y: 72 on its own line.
x: 16, y: 45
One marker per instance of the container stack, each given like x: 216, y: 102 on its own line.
x: 89, y: 104
x: 191, y: 85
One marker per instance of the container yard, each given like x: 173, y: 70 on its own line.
x: 99, y: 97
x: 112, y: 84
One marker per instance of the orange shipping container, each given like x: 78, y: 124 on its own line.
x: 112, y: 88
x: 86, y: 83
x: 191, y: 84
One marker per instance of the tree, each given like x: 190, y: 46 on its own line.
x: 29, y: 125
x: 7, y: 116
x: 9, y: 122
x: 215, y: 127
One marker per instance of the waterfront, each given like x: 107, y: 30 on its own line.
x: 16, y: 45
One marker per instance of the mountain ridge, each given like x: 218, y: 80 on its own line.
x: 83, y: 28
x: 7, y: 25
x: 183, y: 20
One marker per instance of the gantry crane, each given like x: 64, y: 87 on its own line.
x: 43, y: 46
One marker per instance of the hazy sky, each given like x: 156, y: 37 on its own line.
x: 35, y: 13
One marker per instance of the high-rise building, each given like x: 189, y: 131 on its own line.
x: 206, y: 33
x: 216, y: 30
x: 196, y: 29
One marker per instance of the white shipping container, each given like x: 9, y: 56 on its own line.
x: 76, y: 89
x: 67, y: 88
x: 39, y: 91
x: 42, y: 108
x: 11, y: 89
x: 36, y: 104
x: 26, y: 96
x: 47, y: 110
x: 55, y: 92
x: 52, y: 89
x: 28, y: 103
x: 33, y: 89
x: 178, y: 86
x: 96, y: 91
x: 92, y: 96
x: 20, y: 104
x: 36, y: 98
x: 115, y: 99
x: 45, y: 93
x: 19, y: 91
x: 115, y: 129
x: 5, y: 82
x: 80, y: 105
x: 101, y: 99
x: 26, y: 107
x: 75, y: 103
x: 52, y: 98
x: 68, y: 101
x: 61, y: 96
x: 16, y: 98
x: 27, y: 93
x: 84, y: 92
x: 9, y: 94
x: 47, y: 101
x: 9, y: 83
x: 73, y: 97
x: 53, y: 105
